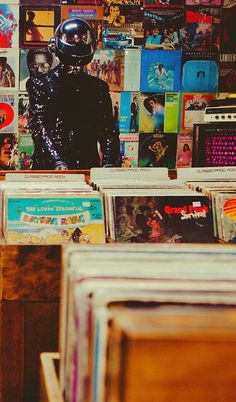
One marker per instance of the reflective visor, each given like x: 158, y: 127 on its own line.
x: 75, y: 38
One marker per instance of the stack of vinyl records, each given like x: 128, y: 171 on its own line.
x: 52, y: 212
x: 153, y: 210
x: 223, y: 199
x: 220, y: 188
x: 154, y: 322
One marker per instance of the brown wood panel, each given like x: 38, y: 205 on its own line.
x: 1, y: 272
x: 30, y: 272
x: 12, y: 345
x: 1, y: 351
x: 40, y: 335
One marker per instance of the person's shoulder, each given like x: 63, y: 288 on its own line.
x: 96, y: 82
x: 43, y: 81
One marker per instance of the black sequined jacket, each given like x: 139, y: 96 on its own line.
x: 69, y: 115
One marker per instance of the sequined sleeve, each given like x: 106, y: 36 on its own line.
x: 39, y: 116
x: 108, y: 135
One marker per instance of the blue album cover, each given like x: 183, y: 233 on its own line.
x: 160, y: 70
x: 200, y: 72
x: 129, y: 112
x: 53, y: 219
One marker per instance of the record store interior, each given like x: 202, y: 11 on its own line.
x: 117, y: 200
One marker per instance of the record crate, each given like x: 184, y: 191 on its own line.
x: 49, y: 380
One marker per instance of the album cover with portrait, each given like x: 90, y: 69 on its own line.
x: 8, y: 113
x: 9, y: 25
x: 157, y: 150
x: 37, y: 24
x: 109, y: 66
x: 184, y: 150
x: 152, y: 112
x: 9, y: 69
x: 35, y: 61
x: 129, y: 112
x: 92, y: 14
x: 123, y: 26
x: 160, y: 70
x: 163, y: 28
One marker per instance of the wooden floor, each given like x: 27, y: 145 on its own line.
x: 29, y: 309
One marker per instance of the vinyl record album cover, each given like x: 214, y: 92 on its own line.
x: 160, y: 70
x: 227, y: 72
x: 93, y: 14
x: 152, y: 112
x: 9, y: 69
x: 129, y: 150
x: 161, y: 219
x: 8, y: 113
x: 41, y: 219
x: 9, y: 25
x: 157, y: 150
x: 184, y: 150
x: 129, y: 112
x: 199, y: 72
x: 23, y: 113
x: 122, y: 23
x: 193, y: 109
x: 109, y: 66
x: 25, y: 151
x: 162, y: 28
x: 8, y: 151
x: 37, y: 24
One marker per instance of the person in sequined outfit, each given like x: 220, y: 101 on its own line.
x: 70, y: 111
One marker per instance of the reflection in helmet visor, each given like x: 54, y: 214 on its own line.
x: 76, y: 38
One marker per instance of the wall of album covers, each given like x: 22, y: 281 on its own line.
x: 164, y: 60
